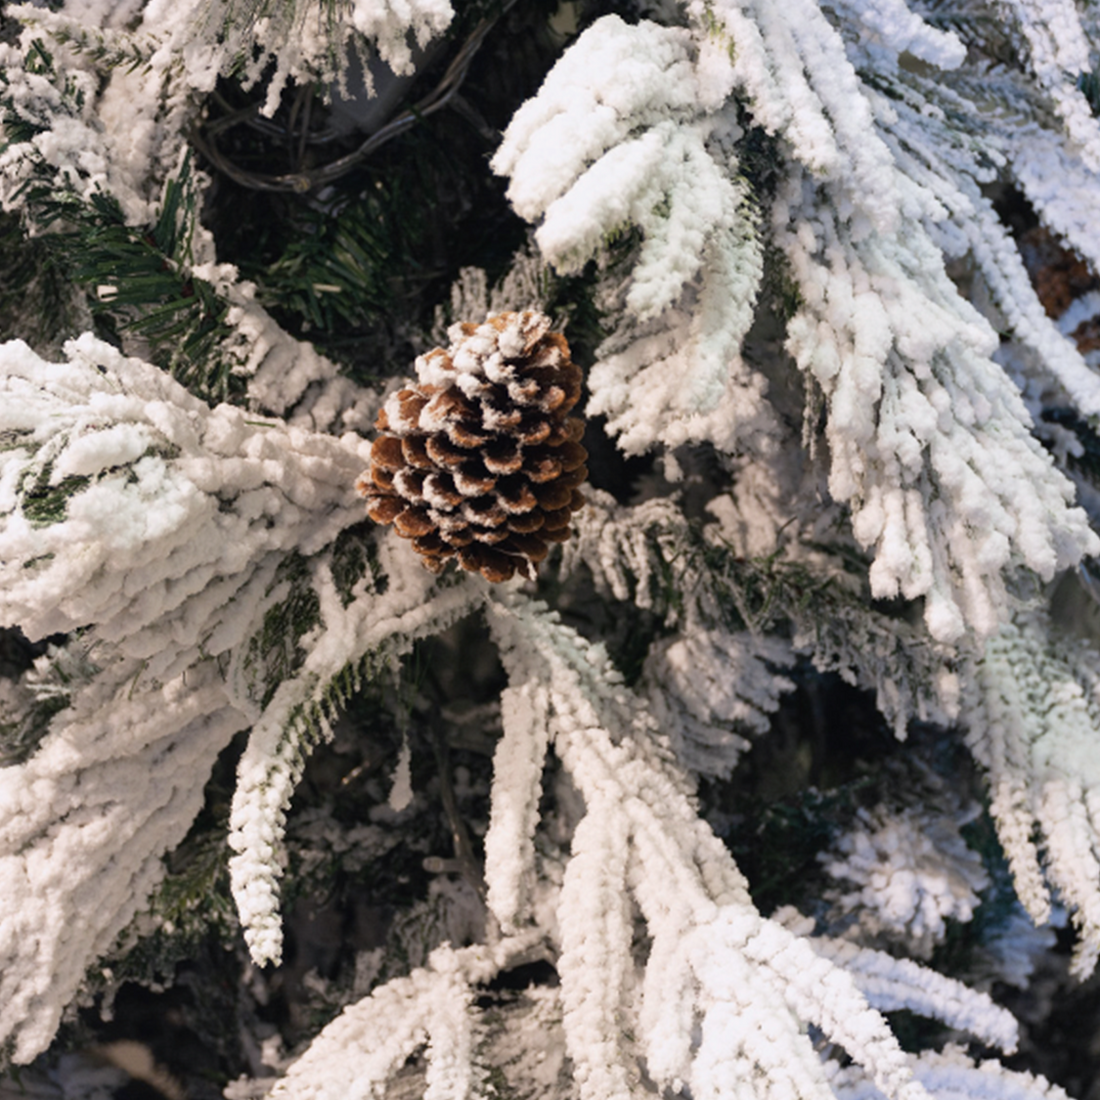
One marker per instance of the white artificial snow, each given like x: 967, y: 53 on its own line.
x: 653, y: 77
x: 1032, y: 709
x: 591, y: 157
x: 355, y: 1054
x: 487, y: 354
x: 716, y: 967
x: 158, y: 529
x: 930, y: 441
x: 706, y: 686
x: 1061, y: 186
x: 950, y: 1074
x: 171, y: 520
x: 401, y: 792
x: 389, y: 24
x: 302, y: 39
x: 122, y: 138
x: 274, y: 758
x: 117, y: 445
x: 518, y: 760
x: 912, y: 872
x: 889, y: 28
x: 707, y: 683
x: 1059, y: 53
x: 932, y: 155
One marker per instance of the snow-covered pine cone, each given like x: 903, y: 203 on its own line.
x: 480, y: 460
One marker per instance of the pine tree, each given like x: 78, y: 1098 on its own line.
x: 336, y: 704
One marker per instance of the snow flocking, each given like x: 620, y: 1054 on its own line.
x: 919, y: 415
x: 159, y: 532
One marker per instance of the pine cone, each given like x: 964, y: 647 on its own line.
x: 480, y: 460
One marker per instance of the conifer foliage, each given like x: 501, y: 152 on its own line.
x: 589, y: 809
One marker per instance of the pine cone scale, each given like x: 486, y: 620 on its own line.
x: 473, y: 484
x: 387, y: 453
x: 415, y: 454
x: 443, y: 453
x: 517, y: 498
x: 413, y: 522
x: 480, y: 460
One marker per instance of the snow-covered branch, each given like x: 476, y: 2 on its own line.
x: 157, y: 532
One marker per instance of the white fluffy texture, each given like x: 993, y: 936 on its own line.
x: 517, y: 771
x: 104, y: 13
x: 613, y: 541
x: 891, y: 983
x: 653, y: 78
x: 205, y: 40
x: 929, y: 439
x: 887, y: 28
x: 951, y: 1075
x: 596, y: 963
x: 275, y: 756
x: 83, y: 825
x: 679, y: 377
x: 149, y: 539
x: 73, y: 144
x: 289, y: 377
x: 388, y: 24
x: 952, y: 167
x: 791, y: 63
x: 172, y: 546
x: 1032, y: 709
x: 666, y: 183
x: 167, y: 550
x: 162, y: 540
x: 126, y: 141
x: 354, y: 1056
x: 478, y: 359
x: 1059, y: 54
x: 627, y: 550
x: 705, y: 683
x: 591, y: 156
x: 286, y: 376
x: 930, y: 443
x: 912, y: 872
x: 715, y: 964
x: 898, y: 661
x: 1062, y: 188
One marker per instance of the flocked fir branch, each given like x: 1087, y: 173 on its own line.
x: 130, y: 504
x: 1030, y: 708
x: 714, y: 962
x: 812, y: 312
x: 648, y: 154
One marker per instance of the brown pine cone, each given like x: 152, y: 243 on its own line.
x: 480, y: 459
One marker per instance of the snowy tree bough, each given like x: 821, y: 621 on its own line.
x: 156, y: 532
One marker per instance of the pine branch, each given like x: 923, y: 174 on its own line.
x: 359, y: 639
x: 708, y: 948
x: 91, y: 442
x: 696, y: 580
x: 141, y: 278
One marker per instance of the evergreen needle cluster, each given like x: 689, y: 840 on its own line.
x: 780, y: 776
